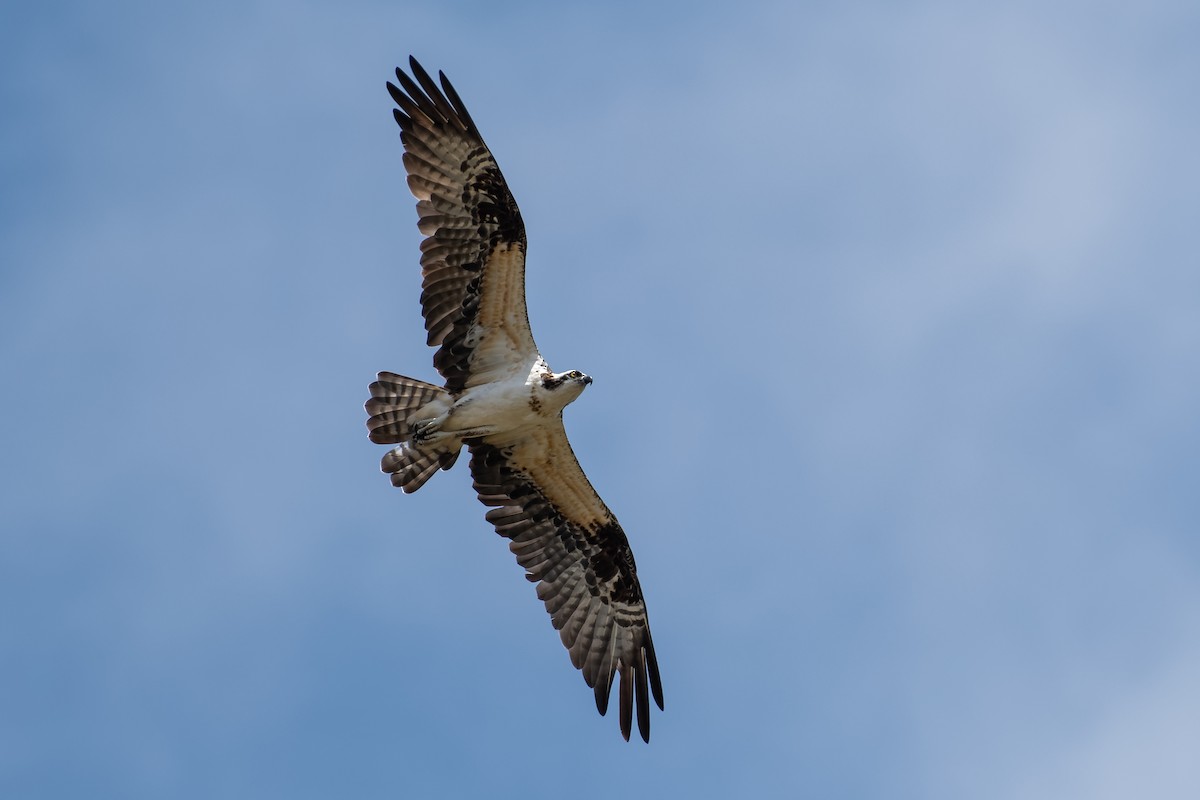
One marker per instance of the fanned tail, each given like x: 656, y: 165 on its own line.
x: 394, y: 409
x: 411, y: 466
x: 394, y: 401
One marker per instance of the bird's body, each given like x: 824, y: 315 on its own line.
x: 500, y: 412
x: 504, y: 403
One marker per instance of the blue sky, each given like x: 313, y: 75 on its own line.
x: 894, y: 315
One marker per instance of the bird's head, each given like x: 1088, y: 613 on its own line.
x: 565, y: 386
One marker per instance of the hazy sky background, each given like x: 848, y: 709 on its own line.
x: 894, y: 315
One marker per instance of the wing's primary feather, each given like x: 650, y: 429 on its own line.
x: 571, y: 545
x: 473, y: 257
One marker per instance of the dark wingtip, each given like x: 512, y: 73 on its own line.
x: 394, y: 90
x: 643, y: 701
x: 652, y: 664
x: 420, y: 74
x: 626, y: 700
x: 459, y: 106
x: 602, y: 692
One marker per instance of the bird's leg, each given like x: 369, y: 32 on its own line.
x: 476, y: 432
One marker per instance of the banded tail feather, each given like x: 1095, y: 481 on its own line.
x: 394, y: 409
x: 394, y: 401
x: 411, y: 466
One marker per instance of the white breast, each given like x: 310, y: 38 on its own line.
x: 509, y: 405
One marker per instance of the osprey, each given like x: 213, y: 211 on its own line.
x: 504, y: 403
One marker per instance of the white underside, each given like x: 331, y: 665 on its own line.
x: 500, y: 411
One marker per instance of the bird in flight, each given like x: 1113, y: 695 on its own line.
x: 503, y: 403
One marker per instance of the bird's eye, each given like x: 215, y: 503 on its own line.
x: 575, y: 373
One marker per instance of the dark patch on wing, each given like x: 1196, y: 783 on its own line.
x: 466, y: 212
x: 585, y: 574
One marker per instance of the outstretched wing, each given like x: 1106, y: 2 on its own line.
x: 572, y: 547
x: 473, y: 256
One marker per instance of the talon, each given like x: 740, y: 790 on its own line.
x: 424, y: 429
